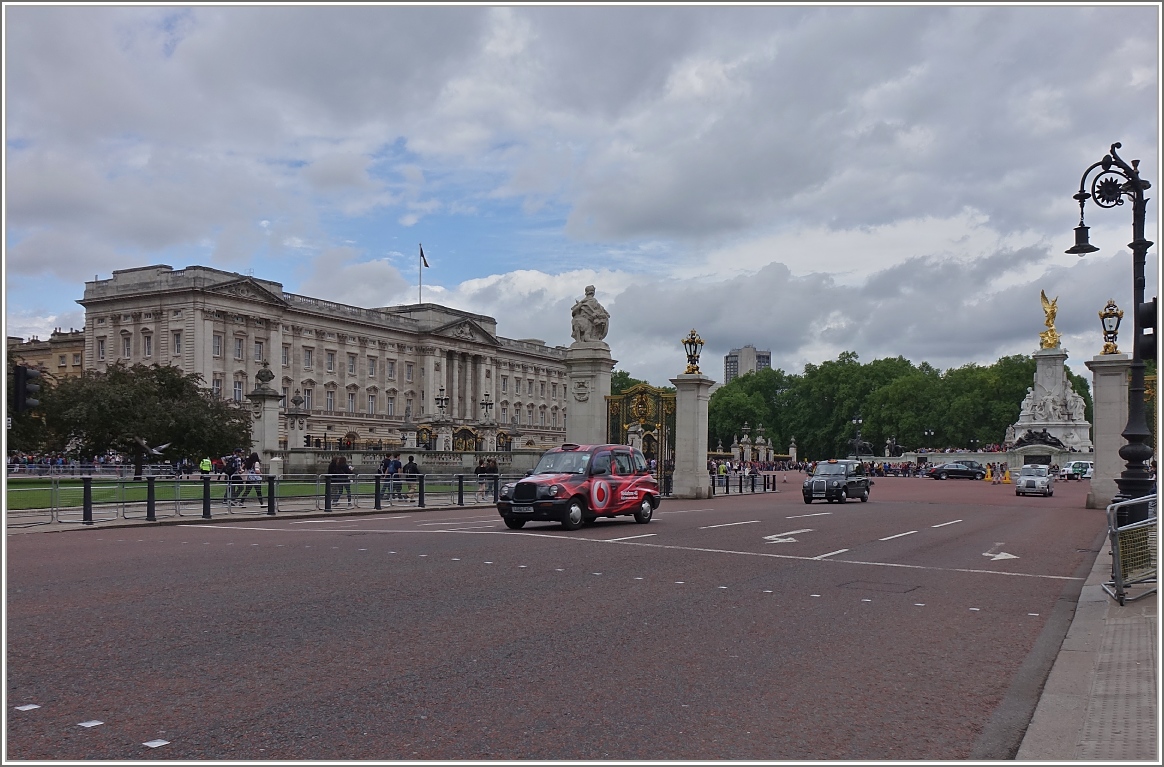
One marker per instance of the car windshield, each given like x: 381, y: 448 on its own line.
x: 829, y: 469
x: 1033, y: 471
x: 562, y: 463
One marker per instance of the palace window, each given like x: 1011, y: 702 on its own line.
x: 238, y: 391
x: 216, y: 345
x: 283, y: 401
x: 100, y: 348
x: 542, y: 389
x: 371, y: 367
x: 308, y: 354
x: 62, y: 362
x: 351, y: 402
x: 330, y: 400
x: 371, y: 404
x: 331, y: 362
x: 76, y: 359
x: 126, y: 343
x: 529, y: 386
x: 258, y: 351
x: 147, y: 346
x: 408, y: 371
x: 286, y: 356
x: 505, y: 413
x: 390, y: 368
x: 307, y: 398
x: 390, y: 403
x: 504, y: 384
x: 351, y: 364
x: 238, y: 348
x: 529, y: 416
x: 177, y: 345
x: 216, y: 387
x: 542, y: 418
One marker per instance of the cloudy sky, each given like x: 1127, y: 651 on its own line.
x: 887, y: 180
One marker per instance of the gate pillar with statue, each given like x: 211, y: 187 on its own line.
x: 588, y: 366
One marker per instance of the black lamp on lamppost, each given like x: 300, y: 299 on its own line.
x: 486, y: 406
x: 692, y: 344
x: 974, y: 444
x: 929, y: 436
x: 857, y: 421
x: 1115, y: 181
x: 441, y: 401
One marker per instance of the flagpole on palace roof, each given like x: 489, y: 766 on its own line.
x: 420, y: 277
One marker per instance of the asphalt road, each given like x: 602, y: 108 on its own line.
x: 919, y: 625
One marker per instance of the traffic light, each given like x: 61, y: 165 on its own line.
x: 25, y: 389
x: 1146, y: 314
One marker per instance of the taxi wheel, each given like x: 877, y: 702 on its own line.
x: 645, y: 512
x: 844, y: 496
x: 865, y: 495
x: 574, y: 515
x: 979, y: 476
x: 808, y: 500
x: 515, y: 524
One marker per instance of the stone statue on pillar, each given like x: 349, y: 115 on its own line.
x: 588, y: 365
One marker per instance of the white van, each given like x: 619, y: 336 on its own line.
x: 1077, y: 470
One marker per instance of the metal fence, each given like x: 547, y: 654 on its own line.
x: 727, y: 484
x: 1133, y: 549
x: 92, y: 499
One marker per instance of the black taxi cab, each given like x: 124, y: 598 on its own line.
x: 575, y: 484
x: 837, y: 480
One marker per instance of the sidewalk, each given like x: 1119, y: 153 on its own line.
x: 1100, y: 700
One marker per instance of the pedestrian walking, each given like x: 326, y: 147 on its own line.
x: 232, y: 469
x: 341, y: 479
x: 253, y: 478
x: 480, y: 471
x: 411, y: 472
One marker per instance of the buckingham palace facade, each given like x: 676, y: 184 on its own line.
x: 363, y: 374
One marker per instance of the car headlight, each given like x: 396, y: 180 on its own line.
x: 506, y: 490
x: 836, y: 483
x: 553, y: 490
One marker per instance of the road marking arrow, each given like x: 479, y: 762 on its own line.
x: 1000, y: 555
x: 782, y: 537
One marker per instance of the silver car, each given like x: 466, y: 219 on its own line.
x: 1035, y: 480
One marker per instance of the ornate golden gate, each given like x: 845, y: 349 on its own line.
x: 650, y: 412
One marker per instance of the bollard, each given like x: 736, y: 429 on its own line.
x: 460, y: 489
x: 753, y: 483
x: 326, y: 493
x: 496, y: 488
x: 420, y: 493
x: 87, y: 500
x: 151, y: 499
x: 712, y: 486
x: 206, y: 497
x: 377, y: 505
x: 741, y: 484
x: 271, y: 495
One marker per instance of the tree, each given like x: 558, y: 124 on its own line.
x: 127, y: 405
x: 620, y: 381
x: 27, y: 432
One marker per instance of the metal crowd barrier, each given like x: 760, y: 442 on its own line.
x: 765, y: 482
x: 1133, y: 550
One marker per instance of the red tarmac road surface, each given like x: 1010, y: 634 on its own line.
x: 745, y: 627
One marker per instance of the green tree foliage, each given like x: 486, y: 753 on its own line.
x: 893, y: 397
x: 158, y: 404
x: 620, y: 381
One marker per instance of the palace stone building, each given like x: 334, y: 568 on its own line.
x: 364, y: 374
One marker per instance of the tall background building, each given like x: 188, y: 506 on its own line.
x: 747, y: 359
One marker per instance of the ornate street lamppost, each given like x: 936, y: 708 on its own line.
x: 692, y: 344
x: 857, y: 448
x: 1116, y: 180
x: 1110, y: 319
x: 441, y: 401
x: 929, y: 435
x: 486, y: 406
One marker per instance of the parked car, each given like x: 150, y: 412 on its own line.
x: 1035, y: 479
x: 576, y: 484
x: 1077, y: 470
x: 837, y: 480
x: 957, y: 471
x: 972, y: 465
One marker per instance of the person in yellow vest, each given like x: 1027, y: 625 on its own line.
x: 205, y: 466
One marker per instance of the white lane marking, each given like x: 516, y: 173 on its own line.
x: 27, y: 707
x: 919, y: 604
x: 90, y: 723
x: 975, y: 609
x: 899, y: 535
x: 767, y: 591
x: 956, y: 521
x: 319, y: 521
x: 638, y: 577
x: 1034, y: 614
x: 730, y: 524
x: 866, y: 600
x: 155, y: 743
x: 521, y: 566
x: 631, y: 537
x: 682, y: 511
x: 596, y: 573
x: 722, y: 587
x: 818, y: 514
x: 838, y: 551
x: 1000, y: 555
x: 814, y: 595
x: 679, y: 581
x: 702, y: 549
x: 477, y: 521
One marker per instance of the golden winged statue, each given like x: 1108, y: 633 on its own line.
x: 1050, y: 337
